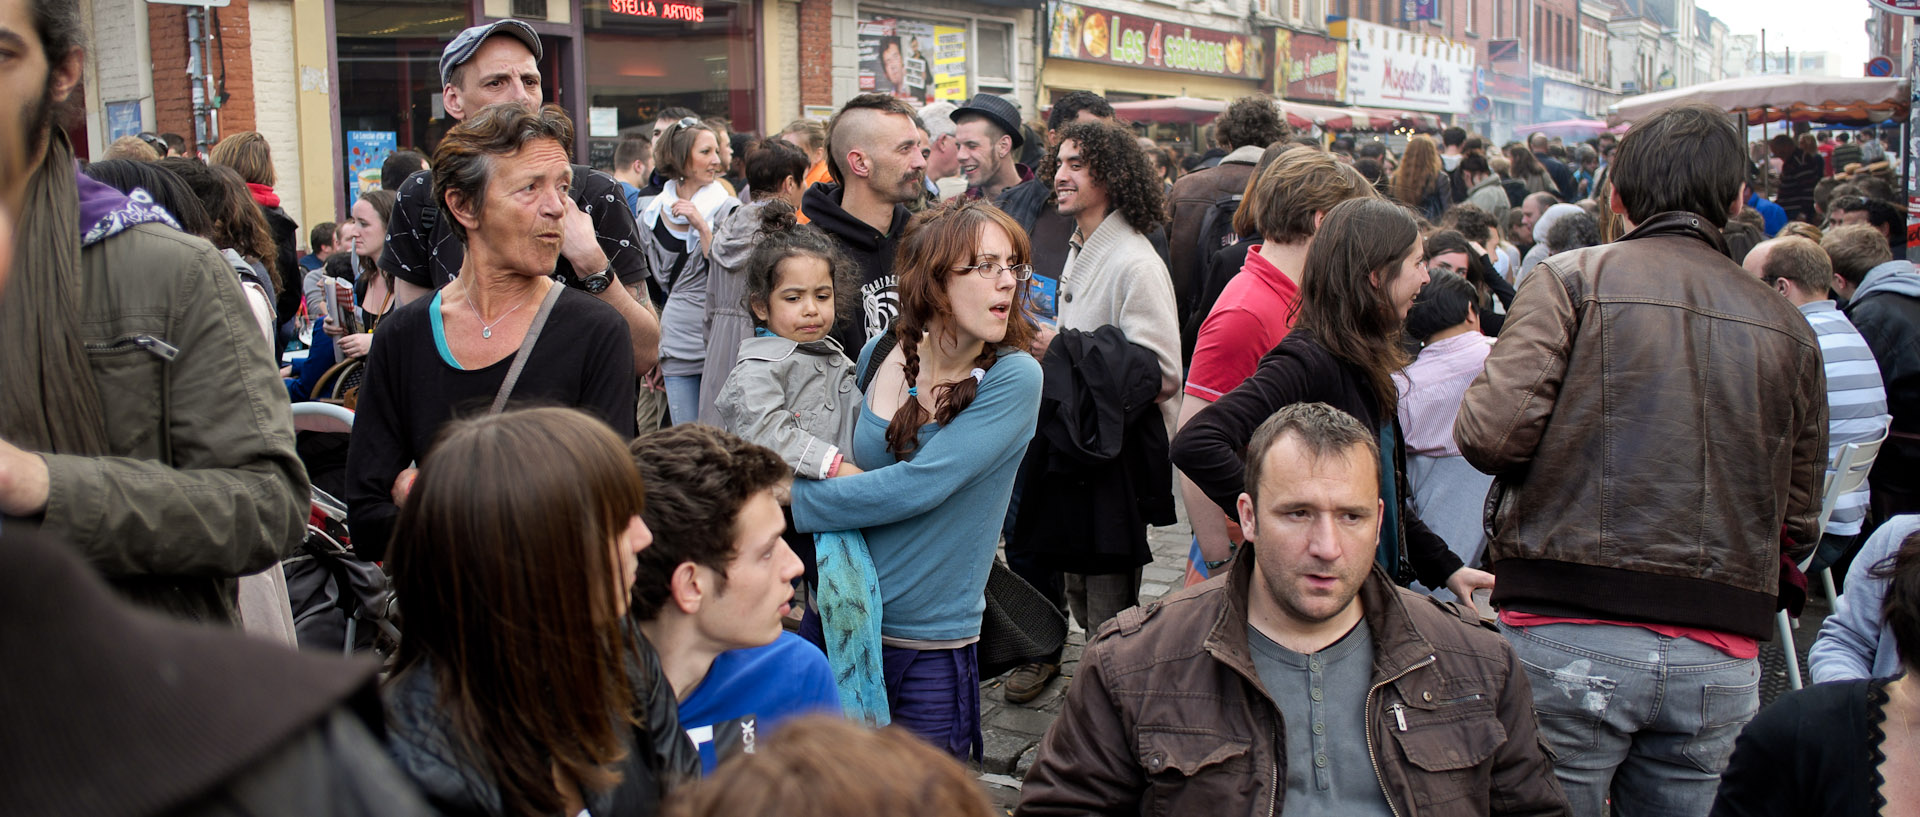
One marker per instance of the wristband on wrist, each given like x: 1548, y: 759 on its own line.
x: 1213, y: 566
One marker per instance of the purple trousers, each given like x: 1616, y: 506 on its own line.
x: 932, y: 693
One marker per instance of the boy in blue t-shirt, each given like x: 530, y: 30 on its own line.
x: 711, y: 590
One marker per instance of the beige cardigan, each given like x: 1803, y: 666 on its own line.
x: 1115, y: 278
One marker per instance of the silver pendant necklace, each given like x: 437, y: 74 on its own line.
x: 486, y: 329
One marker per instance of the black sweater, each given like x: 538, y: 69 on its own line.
x: 1209, y: 449
x: 1814, y: 751
x: 872, y: 253
x: 584, y: 360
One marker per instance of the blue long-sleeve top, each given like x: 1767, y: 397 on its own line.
x: 1854, y: 642
x: 932, y: 521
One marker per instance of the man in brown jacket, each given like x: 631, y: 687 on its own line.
x: 1656, y: 417
x: 1249, y: 125
x: 1302, y: 681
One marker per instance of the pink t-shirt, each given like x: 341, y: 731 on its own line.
x: 1252, y: 316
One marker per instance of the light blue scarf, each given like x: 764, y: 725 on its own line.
x: 848, y: 600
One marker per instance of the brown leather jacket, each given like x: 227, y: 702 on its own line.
x: 1187, y: 205
x: 1167, y: 714
x: 1654, y: 414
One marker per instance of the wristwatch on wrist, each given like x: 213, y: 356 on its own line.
x: 598, y: 282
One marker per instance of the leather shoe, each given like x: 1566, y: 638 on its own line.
x: 1027, y: 681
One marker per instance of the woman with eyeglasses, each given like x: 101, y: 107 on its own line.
x: 676, y: 232
x: 952, y: 402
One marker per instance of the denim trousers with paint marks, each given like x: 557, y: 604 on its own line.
x: 1631, y: 715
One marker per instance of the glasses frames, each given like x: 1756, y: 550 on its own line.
x: 991, y: 271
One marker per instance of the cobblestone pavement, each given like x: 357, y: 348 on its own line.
x: 1013, y: 732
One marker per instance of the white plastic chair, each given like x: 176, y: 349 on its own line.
x: 313, y: 415
x: 1849, y: 472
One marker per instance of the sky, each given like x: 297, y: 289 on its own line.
x: 1834, y: 26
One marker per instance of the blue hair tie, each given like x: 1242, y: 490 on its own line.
x: 913, y: 391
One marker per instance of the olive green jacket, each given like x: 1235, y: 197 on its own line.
x: 201, y: 484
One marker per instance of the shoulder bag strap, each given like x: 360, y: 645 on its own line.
x: 880, y: 352
x: 526, y: 349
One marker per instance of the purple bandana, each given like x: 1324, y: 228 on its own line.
x: 105, y: 211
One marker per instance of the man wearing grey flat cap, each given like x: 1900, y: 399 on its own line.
x: 486, y: 65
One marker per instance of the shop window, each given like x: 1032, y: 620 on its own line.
x: 530, y: 9
x: 389, y: 69
x: 644, y: 56
x: 994, y: 47
x: 927, y: 59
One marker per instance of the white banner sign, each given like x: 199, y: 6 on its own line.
x: 1391, y: 68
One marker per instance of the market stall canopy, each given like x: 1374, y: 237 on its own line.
x: 1300, y: 114
x: 1328, y: 117
x: 1771, y: 98
x: 1178, y: 110
x: 1190, y: 110
x: 1570, y: 128
x: 1391, y: 117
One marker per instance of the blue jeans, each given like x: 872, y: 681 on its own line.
x: 683, y: 398
x: 1633, y: 715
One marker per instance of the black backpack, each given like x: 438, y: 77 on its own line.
x: 1216, y: 226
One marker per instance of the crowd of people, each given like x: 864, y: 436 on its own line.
x: 691, y: 479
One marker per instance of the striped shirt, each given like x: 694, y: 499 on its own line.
x: 1856, y: 401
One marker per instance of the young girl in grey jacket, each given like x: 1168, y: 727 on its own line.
x: 792, y: 389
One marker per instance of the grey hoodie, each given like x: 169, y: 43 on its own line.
x: 728, y: 321
x: 1896, y: 276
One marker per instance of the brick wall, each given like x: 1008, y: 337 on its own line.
x: 172, y: 88
x: 816, y: 52
x: 1555, y: 33
x: 172, y: 93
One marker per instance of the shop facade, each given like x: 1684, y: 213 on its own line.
x: 1308, y: 67
x: 611, y: 64
x: 1401, y: 70
x: 926, y: 51
x: 1127, y: 50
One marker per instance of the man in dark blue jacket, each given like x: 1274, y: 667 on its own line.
x: 1562, y: 175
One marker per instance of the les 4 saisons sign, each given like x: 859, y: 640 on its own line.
x: 1097, y: 35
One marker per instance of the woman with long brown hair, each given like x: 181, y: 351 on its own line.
x: 950, y: 408
x: 1528, y: 170
x: 1420, y: 182
x: 248, y: 154
x: 1363, y: 269
x: 518, y: 687
x: 373, y: 286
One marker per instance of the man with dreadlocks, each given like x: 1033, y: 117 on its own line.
x: 141, y: 420
x: 1113, y: 278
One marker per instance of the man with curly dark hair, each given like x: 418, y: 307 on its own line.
x: 1248, y: 126
x: 1106, y: 184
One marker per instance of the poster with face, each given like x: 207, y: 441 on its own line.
x: 896, y: 57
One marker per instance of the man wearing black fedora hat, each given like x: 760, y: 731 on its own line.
x: 989, y: 131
